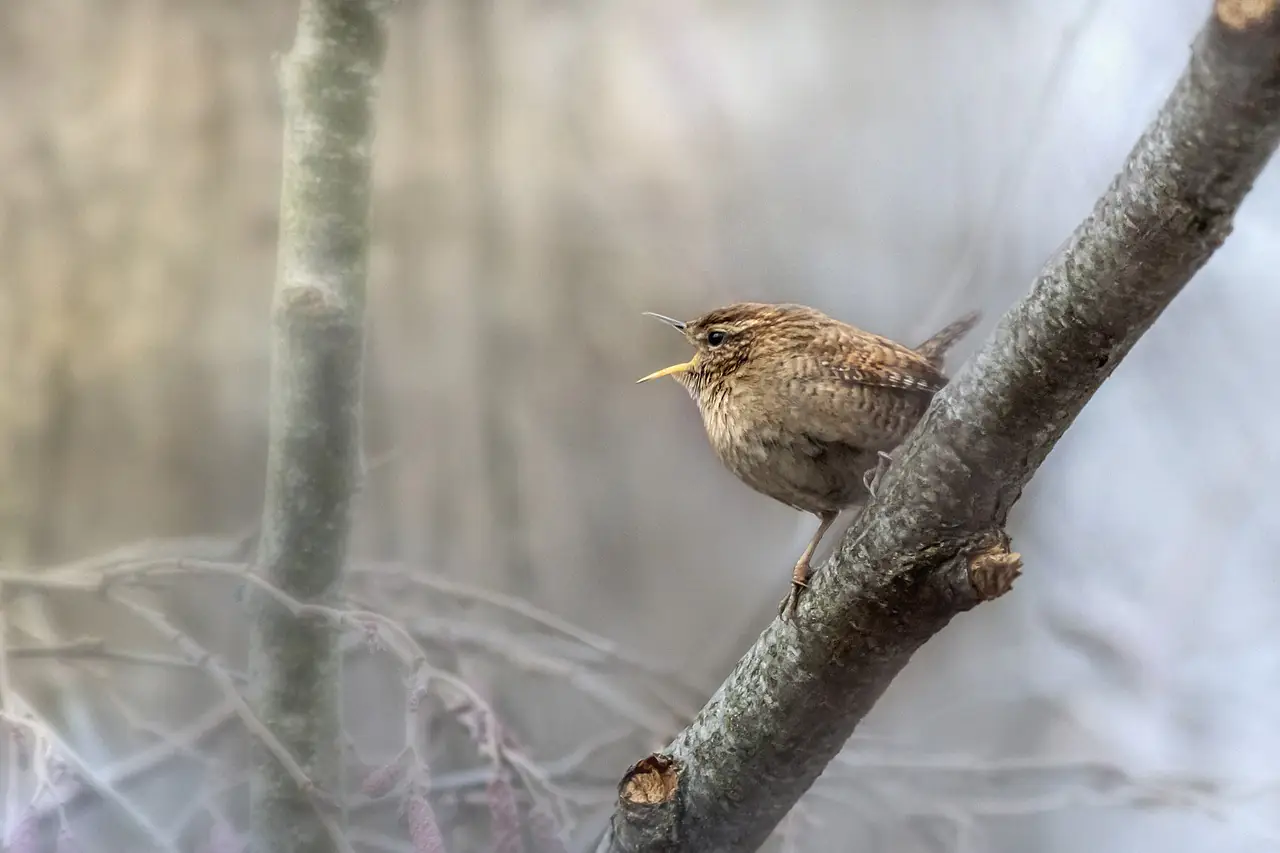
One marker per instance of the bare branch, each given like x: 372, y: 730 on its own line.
x: 329, y: 81
x: 932, y: 543
x: 120, y: 774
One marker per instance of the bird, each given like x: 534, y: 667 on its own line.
x: 805, y: 408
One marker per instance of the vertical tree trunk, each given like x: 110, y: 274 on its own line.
x: 329, y: 82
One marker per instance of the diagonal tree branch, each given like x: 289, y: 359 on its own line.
x: 329, y: 83
x: 931, y: 544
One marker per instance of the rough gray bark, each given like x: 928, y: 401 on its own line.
x: 931, y: 545
x: 329, y: 82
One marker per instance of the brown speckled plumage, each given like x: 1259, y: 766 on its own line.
x: 800, y: 406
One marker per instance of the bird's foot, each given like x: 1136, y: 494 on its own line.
x: 787, y: 609
x: 871, y: 479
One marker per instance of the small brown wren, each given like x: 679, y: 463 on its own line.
x: 802, y: 407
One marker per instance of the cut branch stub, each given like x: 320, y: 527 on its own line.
x: 993, y: 570
x: 649, y: 805
x: 1245, y: 14
x: 651, y: 781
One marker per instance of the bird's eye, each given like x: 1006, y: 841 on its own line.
x: 715, y: 338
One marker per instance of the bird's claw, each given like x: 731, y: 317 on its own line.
x: 871, y: 479
x: 787, y: 609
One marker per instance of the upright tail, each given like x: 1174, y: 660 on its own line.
x: 935, y: 349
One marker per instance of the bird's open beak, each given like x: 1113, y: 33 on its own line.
x: 667, y: 371
x: 670, y: 321
x: 675, y: 368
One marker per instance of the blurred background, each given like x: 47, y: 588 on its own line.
x: 545, y: 171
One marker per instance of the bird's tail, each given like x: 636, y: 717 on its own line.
x: 935, y: 349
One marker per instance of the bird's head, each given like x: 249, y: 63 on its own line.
x: 723, y: 341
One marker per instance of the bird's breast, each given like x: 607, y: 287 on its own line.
x: 746, y: 441
x: 733, y: 433
x: 796, y: 470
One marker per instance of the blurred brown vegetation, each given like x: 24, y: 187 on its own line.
x: 545, y: 171
x: 533, y: 198
x: 527, y: 210
x: 140, y: 242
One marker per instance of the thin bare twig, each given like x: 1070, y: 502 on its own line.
x: 43, y: 734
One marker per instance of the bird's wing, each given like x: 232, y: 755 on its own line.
x: 871, y: 360
x: 858, y: 390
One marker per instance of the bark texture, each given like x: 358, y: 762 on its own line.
x: 932, y: 544
x: 329, y: 81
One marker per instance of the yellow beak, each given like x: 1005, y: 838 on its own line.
x: 675, y: 368
x: 667, y: 371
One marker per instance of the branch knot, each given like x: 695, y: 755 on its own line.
x: 1244, y: 14
x: 993, y: 570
